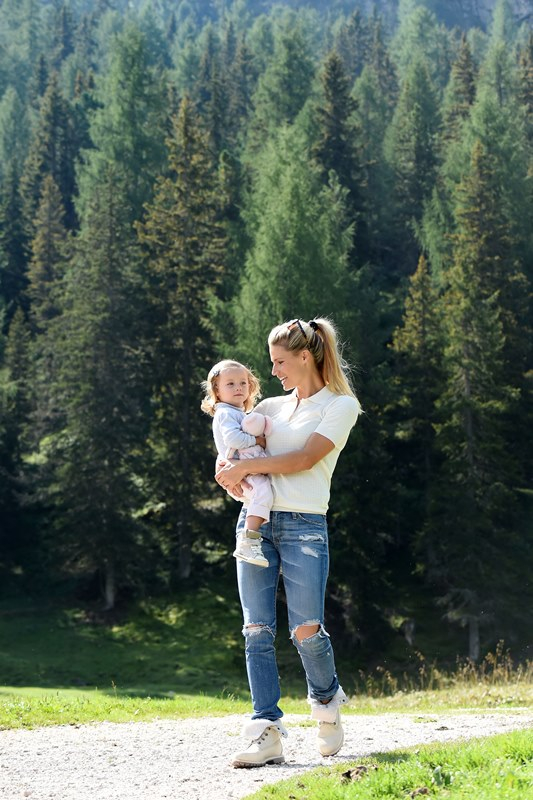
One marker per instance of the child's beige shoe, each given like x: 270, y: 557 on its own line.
x: 249, y: 549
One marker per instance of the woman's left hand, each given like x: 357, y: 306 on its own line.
x: 230, y: 475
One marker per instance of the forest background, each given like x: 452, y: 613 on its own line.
x: 178, y: 177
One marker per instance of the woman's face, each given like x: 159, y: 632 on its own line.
x: 288, y: 366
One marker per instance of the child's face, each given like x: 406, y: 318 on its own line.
x: 232, y: 387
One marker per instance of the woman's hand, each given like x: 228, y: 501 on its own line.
x: 230, y: 476
x: 261, y: 441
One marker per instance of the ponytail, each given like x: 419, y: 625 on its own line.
x: 318, y: 336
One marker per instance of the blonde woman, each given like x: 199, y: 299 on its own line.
x: 310, y: 428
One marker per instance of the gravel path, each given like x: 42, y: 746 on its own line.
x: 188, y: 759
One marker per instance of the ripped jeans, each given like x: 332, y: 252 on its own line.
x: 296, y: 546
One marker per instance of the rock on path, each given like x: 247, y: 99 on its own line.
x: 188, y: 759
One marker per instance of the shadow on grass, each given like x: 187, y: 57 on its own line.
x: 190, y: 645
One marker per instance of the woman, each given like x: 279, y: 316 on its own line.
x: 310, y: 427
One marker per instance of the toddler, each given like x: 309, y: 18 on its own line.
x: 230, y: 392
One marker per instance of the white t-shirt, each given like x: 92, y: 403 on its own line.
x: 331, y: 415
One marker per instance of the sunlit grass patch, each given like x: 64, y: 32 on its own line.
x: 34, y: 707
x: 185, y: 658
x: 496, y: 768
x: 497, y: 668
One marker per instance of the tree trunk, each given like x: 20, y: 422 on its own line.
x: 109, y: 586
x: 473, y: 639
x: 184, y: 551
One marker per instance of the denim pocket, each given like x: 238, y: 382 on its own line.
x: 318, y: 520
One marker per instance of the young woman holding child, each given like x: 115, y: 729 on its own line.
x: 310, y: 427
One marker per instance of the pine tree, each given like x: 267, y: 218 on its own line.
x: 410, y: 152
x: 63, y: 43
x: 300, y: 239
x: 184, y: 256
x: 418, y: 346
x: 52, y: 152
x: 85, y: 43
x: 503, y: 25
x: 127, y: 129
x: 374, y: 116
x: 13, y: 246
x: 475, y: 503
x: 92, y: 352
x: 39, y: 82
x: 525, y: 90
x: 229, y: 47
x: 437, y: 221
x: 525, y: 98
x: 48, y: 249
x: 151, y: 25
x: 241, y: 83
x: 352, y: 44
x: 460, y: 92
x: 418, y: 32
x: 20, y: 41
x: 285, y: 85
x: 13, y: 131
x: 15, y: 406
x: 208, y: 66
x: 46, y: 268
x: 382, y: 66
x: 502, y: 131
x: 497, y: 70
x: 216, y: 114
x: 337, y: 146
x: 418, y: 383
x: 84, y: 105
x: 171, y: 28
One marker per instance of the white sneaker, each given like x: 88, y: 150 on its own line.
x: 249, y: 548
x: 265, y: 747
x: 330, y: 737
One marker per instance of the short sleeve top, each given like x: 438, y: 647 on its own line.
x: 326, y: 413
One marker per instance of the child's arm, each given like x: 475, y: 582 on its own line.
x: 227, y: 428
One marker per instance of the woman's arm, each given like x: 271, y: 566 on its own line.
x: 315, y: 449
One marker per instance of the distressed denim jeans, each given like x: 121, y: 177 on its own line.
x: 296, y: 546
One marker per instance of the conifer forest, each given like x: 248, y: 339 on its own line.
x: 179, y: 176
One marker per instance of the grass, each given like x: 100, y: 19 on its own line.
x: 153, y: 649
x: 497, y: 768
x: 185, y: 658
x: 33, y: 707
x: 495, y: 682
x: 176, y: 659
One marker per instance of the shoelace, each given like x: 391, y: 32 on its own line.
x: 255, y: 547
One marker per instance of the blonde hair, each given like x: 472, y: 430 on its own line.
x: 318, y: 336
x: 209, y: 386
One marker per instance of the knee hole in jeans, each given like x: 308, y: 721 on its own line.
x: 306, y: 631
x: 255, y: 628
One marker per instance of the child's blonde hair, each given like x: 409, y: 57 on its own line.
x: 209, y: 386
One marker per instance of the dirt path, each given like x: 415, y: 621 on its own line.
x: 188, y: 759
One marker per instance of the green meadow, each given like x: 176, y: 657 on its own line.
x: 500, y: 767
x: 185, y: 658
